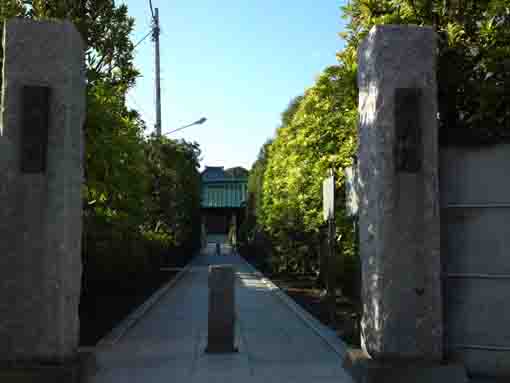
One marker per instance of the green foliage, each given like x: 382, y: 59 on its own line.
x: 236, y: 172
x: 141, y: 197
x: 317, y: 132
x: 105, y: 29
x: 255, y: 181
x: 115, y: 167
x: 474, y: 60
x: 318, y: 128
x: 175, y: 189
x: 320, y: 135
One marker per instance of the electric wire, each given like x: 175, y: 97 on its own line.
x: 139, y: 42
x: 152, y: 11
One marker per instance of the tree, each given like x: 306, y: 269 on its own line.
x: 317, y: 132
x: 125, y: 216
x: 320, y: 135
x: 474, y: 59
x: 105, y: 29
x: 173, y: 167
x: 237, y: 171
x: 256, y: 179
x: 115, y: 165
x: 318, y: 129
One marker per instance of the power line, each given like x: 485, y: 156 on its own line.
x: 147, y: 115
x: 139, y: 42
x: 152, y: 11
x: 198, y: 122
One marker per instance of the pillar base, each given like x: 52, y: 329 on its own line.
x: 221, y: 350
x: 72, y: 371
x: 363, y: 369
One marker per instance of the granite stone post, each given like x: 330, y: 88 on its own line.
x: 398, y: 194
x: 41, y: 172
x: 221, y: 319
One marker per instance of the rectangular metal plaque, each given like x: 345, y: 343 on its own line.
x: 34, y: 130
x: 408, y: 157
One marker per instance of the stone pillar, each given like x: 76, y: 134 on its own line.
x: 221, y: 319
x: 398, y: 192
x: 41, y: 172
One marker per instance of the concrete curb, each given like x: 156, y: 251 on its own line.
x: 132, y: 319
x: 326, y: 334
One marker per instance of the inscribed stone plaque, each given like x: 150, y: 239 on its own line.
x: 34, y: 132
x: 407, y: 130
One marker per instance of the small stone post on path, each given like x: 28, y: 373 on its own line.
x: 221, y: 319
x: 398, y: 194
x: 41, y: 176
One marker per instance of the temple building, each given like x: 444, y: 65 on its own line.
x: 224, y: 194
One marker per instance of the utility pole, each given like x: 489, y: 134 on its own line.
x: 155, y: 37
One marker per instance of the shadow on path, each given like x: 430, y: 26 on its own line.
x: 167, y: 344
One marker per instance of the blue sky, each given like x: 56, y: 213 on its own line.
x: 236, y: 62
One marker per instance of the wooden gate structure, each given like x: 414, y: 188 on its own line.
x: 223, y: 198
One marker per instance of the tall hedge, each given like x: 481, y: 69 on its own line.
x: 141, y: 195
x: 318, y: 129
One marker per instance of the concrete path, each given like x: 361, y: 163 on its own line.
x: 167, y: 344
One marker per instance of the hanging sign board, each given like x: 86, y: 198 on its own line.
x: 351, y: 196
x: 328, y: 197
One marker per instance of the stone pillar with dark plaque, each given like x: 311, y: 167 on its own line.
x: 397, y: 182
x: 41, y: 172
x: 221, y: 317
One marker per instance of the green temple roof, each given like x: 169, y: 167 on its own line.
x: 222, y: 189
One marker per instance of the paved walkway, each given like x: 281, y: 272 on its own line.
x: 167, y: 344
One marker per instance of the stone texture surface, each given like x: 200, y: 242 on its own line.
x: 167, y: 345
x: 363, y: 369
x: 40, y: 214
x: 399, y: 211
x: 221, y: 318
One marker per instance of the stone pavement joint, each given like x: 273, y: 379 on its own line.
x: 168, y: 343
x: 329, y: 336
